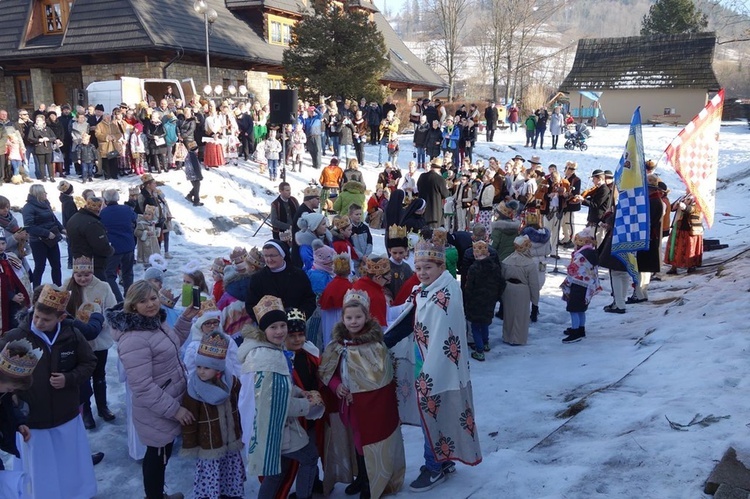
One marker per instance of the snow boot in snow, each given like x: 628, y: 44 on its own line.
x: 575, y: 335
x: 88, y: 418
x: 100, y: 395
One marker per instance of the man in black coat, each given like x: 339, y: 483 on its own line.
x: 431, y: 187
x: 281, y: 279
x: 88, y: 236
x: 245, y: 125
x: 283, y: 209
x: 597, y: 201
x: 490, y: 114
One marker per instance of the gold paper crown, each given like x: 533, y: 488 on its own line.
x: 341, y: 222
x: 440, y: 237
x: 208, y: 306
x: 19, y: 358
x: 54, y: 298
x: 427, y: 251
x: 218, y: 265
x: 342, y: 265
x: 79, y: 201
x: 295, y: 314
x: 238, y: 255
x: 286, y: 236
x: 481, y: 249
x: 355, y: 295
x: 255, y: 258
x: 84, y: 312
x: 166, y: 297
x: 146, y: 178
x: 267, y: 304
x: 213, y: 346
x: 396, y: 232
x: 94, y: 204
x: 149, y: 209
x: 83, y: 264
x: 134, y: 191
x: 311, y: 191
x: 380, y: 267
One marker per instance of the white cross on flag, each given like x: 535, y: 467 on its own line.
x: 694, y: 154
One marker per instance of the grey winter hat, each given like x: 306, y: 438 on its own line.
x: 154, y: 273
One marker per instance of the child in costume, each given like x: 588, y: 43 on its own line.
x: 398, y: 249
x: 361, y: 236
x: 147, y: 234
x: 57, y: 458
x: 208, y: 322
x: 332, y: 299
x: 581, y: 283
x: 84, y: 288
x: 13, y: 294
x: 217, y: 273
x: 377, y: 275
x: 436, y: 351
x: 357, y: 367
x: 215, y: 435
x: 342, y: 238
x: 17, y: 362
x: 271, y: 405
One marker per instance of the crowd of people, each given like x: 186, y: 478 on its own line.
x: 259, y: 360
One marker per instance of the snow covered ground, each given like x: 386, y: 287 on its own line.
x: 682, y: 353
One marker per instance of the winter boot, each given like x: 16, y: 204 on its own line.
x: 88, y: 418
x: 361, y: 483
x: 575, y: 335
x: 100, y: 395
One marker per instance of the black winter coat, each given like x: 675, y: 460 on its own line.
x: 420, y: 135
x: 606, y: 259
x: 41, y: 147
x: 88, y: 237
x: 432, y: 188
x: 187, y: 131
x: 70, y: 355
x: 648, y: 261
x: 433, y: 142
x: 39, y: 219
x: 484, y: 287
x: 69, y: 207
x: 291, y: 285
x: 598, y: 203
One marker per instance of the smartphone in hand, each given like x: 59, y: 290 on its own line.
x: 196, y: 297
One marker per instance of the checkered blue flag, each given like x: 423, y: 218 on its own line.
x: 631, y: 228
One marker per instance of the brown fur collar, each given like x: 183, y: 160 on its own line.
x: 372, y: 332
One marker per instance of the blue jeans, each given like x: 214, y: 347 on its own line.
x: 577, y: 319
x: 421, y: 156
x: 273, y: 165
x: 335, y: 144
x: 16, y: 165
x: 513, y: 126
x: 87, y: 170
x: 347, y: 151
x: 429, y: 455
x: 481, y: 334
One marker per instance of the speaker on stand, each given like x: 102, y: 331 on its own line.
x: 283, y: 107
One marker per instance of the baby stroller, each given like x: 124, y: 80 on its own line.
x: 577, y: 138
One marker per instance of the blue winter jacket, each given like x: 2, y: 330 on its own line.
x: 119, y: 220
x: 450, y: 137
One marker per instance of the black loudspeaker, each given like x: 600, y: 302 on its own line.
x: 283, y: 104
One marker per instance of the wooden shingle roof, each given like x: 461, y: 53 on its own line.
x: 656, y: 61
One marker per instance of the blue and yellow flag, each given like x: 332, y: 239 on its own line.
x: 631, y: 228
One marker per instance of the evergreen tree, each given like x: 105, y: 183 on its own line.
x: 673, y: 17
x: 336, y: 53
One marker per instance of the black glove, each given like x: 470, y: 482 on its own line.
x: 534, y: 313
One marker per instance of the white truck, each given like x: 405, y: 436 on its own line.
x: 134, y: 90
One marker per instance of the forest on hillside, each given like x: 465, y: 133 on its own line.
x: 555, y: 37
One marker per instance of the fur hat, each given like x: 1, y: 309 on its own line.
x: 269, y: 309
x: 65, y: 187
x: 212, y: 351
x: 83, y: 264
x: 342, y: 265
x: 146, y: 178
x: 310, y: 192
x: 310, y: 221
x: 296, y: 321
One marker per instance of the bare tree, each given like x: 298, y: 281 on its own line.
x: 493, y: 42
x: 731, y: 20
x: 448, y: 23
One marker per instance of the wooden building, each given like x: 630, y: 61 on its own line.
x: 670, y: 76
x: 51, y: 50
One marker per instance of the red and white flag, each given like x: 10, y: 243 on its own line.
x: 694, y: 154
